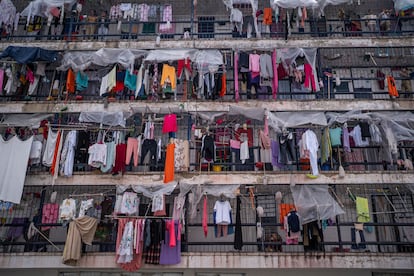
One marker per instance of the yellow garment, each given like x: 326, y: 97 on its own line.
x: 362, y: 209
x: 111, y: 79
x: 80, y: 230
x: 168, y: 72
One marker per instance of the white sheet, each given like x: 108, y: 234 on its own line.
x: 13, y: 166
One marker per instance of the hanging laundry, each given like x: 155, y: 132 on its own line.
x: 362, y: 208
x: 130, y: 80
x: 81, y: 81
x: 108, y: 82
x: 168, y: 76
x: 169, y: 163
x: 81, y: 230
x: 392, y: 89
x: 70, y: 81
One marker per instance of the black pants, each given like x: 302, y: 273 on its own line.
x: 149, y: 145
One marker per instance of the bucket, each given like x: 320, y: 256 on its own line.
x: 216, y: 168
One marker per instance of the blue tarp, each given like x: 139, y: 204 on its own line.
x: 26, y: 55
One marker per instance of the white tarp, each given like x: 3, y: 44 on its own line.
x: 282, y: 120
x: 80, y: 61
x: 24, y: 120
x: 104, y: 118
x: 402, y: 5
x: 313, y: 202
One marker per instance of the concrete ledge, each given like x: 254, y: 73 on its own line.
x: 220, y: 106
x: 223, y: 261
x: 384, y: 177
x: 223, y: 43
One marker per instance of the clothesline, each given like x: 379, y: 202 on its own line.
x: 138, y: 217
x: 86, y: 195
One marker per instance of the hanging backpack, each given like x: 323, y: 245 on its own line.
x: 293, y: 222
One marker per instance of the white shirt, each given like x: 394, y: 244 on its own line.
x: 97, y: 155
x: 222, y: 209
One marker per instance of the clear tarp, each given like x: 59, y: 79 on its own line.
x: 314, y: 202
x: 24, y: 120
x: 402, y: 5
x: 255, y: 6
x: 320, y: 4
x: 202, y: 58
x: 252, y: 113
x: 170, y: 55
x: 156, y: 189
x: 289, y: 55
x: 43, y: 8
x: 80, y: 61
x: 282, y: 120
x: 104, y: 118
x: 8, y: 12
x: 196, y: 191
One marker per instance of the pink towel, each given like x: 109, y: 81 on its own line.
x: 309, y: 77
x: 205, y: 216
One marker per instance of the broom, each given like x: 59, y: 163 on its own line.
x: 341, y: 169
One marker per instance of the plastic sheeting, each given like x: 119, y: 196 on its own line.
x: 308, y: 3
x: 24, y: 120
x: 42, y: 7
x: 170, y: 55
x: 24, y: 55
x: 282, y: 120
x: 400, y: 124
x: 202, y: 58
x: 313, y: 202
x: 150, y: 191
x: 252, y: 113
x: 8, y: 12
x: 401, y: 5
x: 105, y: 118
x: 203, y: 188
x: 80, y: 61
x: 255, y: 6
x: 289, y: 55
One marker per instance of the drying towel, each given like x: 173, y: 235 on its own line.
x: 80, y: 230
x: 362, y: 209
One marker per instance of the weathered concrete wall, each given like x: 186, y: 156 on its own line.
x: 251, y: 263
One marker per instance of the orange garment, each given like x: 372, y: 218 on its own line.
x: 169, y: 163
x: 70, y: 81
x: 55, y: 153
x: 284, y: 209
x: 392, y: 89
x: 223, y: 85
x: 267, y: 16
x: 168, y: 72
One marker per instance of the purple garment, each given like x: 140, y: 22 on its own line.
x: 1, y: 80
x: 16, y: 232
x: 171, y: 255
x: 274, y: 145
x: 345, y: 139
